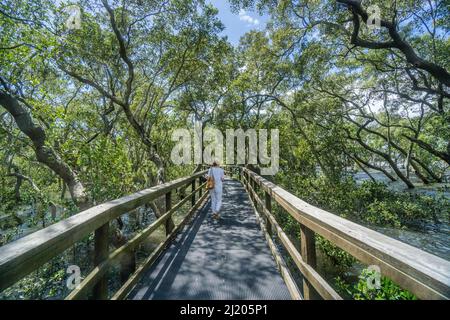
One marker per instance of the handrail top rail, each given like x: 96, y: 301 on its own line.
x: 412, y: 260
x: 26, y: 254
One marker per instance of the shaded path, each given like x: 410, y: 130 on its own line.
x: 225, y: 259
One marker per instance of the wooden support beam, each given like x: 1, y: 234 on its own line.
x: 268, y: 205
x: 308, y: 253
x: 169, y: 222
x: 281, y: 264
x: 252, y: 185
x: 100, y: 290
x: 193, y: 195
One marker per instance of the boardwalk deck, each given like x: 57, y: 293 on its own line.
x: 225, y: 259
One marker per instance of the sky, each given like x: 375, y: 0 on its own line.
x: 237, y: 24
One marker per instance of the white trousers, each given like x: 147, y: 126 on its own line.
x: 216, y: 199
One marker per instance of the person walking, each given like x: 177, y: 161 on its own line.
x: 217, y: 174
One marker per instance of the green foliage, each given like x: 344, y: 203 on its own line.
x: 380, y: 206
x: 287, y: 222
x: 370, y: 202
x: 364, y: 289
x: 47, y: 283
x: 338, y: 257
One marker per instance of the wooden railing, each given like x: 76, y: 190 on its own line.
x: 425, y: 275
x: 21, y: 257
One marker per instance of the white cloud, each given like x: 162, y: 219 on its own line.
x: 243, y: 16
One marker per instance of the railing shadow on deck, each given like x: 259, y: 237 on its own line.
x: 171, y: 266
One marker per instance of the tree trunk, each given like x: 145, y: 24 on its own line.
x: 372, y: 166
x: 389, y: 160
x: 44, y: 153
x: 419, y: 174
x: 365, y: 170
x: 427, y: 169
x: 17, y: 188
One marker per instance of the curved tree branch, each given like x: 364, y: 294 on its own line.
x: 397, y: 42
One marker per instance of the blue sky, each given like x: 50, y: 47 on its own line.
x: 237, y: 24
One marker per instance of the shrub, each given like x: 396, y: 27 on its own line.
x: 337, y: 256
x: 387, y: 290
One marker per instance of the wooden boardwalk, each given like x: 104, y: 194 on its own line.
x: 227, y: 259
x: 224, y: 259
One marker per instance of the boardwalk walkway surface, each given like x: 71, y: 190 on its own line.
x: 225, y: 259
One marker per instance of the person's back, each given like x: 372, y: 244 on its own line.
x: 217, y: 173
x: 218, y: 176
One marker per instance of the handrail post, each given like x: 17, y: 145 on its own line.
x: 247, y: 179
x: 253, y: 185
x: 308, y: 253
x: 101, y: 247
x: 193, y: 194
x: 200, y: 191
x: 169, y: 222
x: 250, y: 185
x: 268, y: 205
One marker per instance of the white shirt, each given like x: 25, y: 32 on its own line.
x: 218, y: 174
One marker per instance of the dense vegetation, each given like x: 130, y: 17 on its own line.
x: 86, y: 114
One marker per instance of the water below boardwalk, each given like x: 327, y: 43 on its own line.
x: 433, y: 237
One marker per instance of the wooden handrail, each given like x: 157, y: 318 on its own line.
x: 94, y: 276
x: 425, y: 275
x: 319, y: 284
x: 19, y: 258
